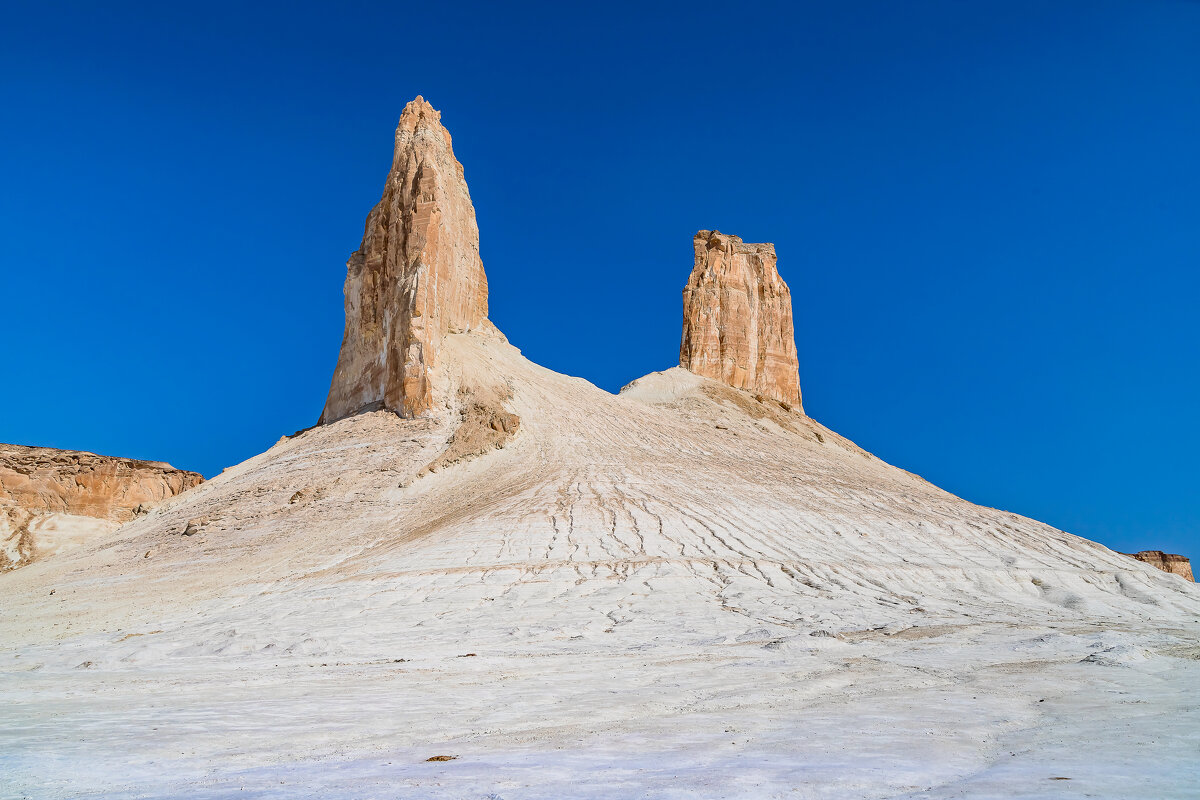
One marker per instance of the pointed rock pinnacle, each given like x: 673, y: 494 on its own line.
x: 416, y: 277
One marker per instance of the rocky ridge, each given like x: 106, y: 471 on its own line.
x: 44, y: 491
x: 1167, y: 562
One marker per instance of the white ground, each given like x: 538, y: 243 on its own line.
x: 661, y: 594
x: 52, y: 533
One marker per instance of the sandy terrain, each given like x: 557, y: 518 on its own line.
x: 675, y: 592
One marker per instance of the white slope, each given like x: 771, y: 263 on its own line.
x: 674, y: 592
x: 51, y: 533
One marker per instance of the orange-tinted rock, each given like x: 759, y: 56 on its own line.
x: 737, y: 318
x: 416, y: 277
x: 39, y: 485
x: 1167, y: 562
x: 46, y: 480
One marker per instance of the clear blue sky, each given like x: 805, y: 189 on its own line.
x: 988, y: 212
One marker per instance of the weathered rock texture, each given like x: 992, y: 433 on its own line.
x: 737, y: 319
x: 42, y: 479
x: 1167, y: 562
x: 39, y: 485
x: 416, y: 277
x: 484, y: 426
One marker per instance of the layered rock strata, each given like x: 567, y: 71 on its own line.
x: 416, y: 277
x: 737, y: 319
x: 1167, y: 562
x: 67, y: 496
x: 45, y: 480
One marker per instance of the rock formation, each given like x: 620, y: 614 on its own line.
x: 41, y: 485
x: 43, y: 480
x: 687, y: 579
x: 737, y: 319
x: 1167, y: 562
x: 416, y: 277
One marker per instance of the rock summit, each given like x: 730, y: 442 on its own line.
x: 416, y: 276
x: 737, y: 319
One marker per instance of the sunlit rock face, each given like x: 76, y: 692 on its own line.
x: 737, y: 318
x: 1167, y: 562
x: 416, y: 277
x: 43, y: 479
x: 54, y: 499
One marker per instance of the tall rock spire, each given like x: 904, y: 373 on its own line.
x: 737, y: 318
x: 416, y: 277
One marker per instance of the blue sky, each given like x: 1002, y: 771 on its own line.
x: 987, y: 212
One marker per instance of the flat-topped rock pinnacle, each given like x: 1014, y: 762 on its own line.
x: 737, y: 318
x: 416, y: 276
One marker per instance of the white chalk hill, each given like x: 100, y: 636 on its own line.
x: 627, y: 573
x: 682, y: 590
x: 680, y: 505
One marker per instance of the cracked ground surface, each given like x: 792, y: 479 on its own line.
x: 677, y: 591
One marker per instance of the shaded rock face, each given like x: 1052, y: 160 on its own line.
x: 737, y: 319
x: 1167, y: 562
x: 416, y: 277
x: 44, y: 492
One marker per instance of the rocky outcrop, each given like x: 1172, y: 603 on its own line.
x: 737, y: 319
x: 43, y: 480
x: 1167, y: 562
x: 48, y: 494
x: 416, y: 277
